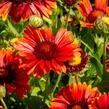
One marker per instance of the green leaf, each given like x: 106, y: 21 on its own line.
x: 36, y: 103
x: 104, y: 87
x: 35, y: 91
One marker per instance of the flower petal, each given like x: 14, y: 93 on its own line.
x: 101, y: 4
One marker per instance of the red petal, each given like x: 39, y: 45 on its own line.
x: 47, y: 34
x: 85, y: 7
x: 101, y: 4
x: 38, y: 71
x: 86, y: 24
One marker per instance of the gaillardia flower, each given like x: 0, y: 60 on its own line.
x: 91, y: 15
x: 23, y: 9
x: 11, y: 76
x: 77, y: 96
x: 46, y: 52
x: 101, y: 102
x: 78, y: 63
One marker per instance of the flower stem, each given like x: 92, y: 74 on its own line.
x: 12, y: 28
x: 4, y: 104
x: 104, y: 53
x: 46, y: 87
x: 68, y: 15
x: 57, y: 82
x: 76, y: 77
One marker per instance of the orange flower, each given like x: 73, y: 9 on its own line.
x: 23, y: 9
x: 46, y: 52
x: 91, y: 15
x: 101, y: 103
x: 78, y: 96
x: 11, y: 76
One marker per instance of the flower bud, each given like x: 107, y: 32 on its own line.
x: 35, y: 21
x: 102, y: 24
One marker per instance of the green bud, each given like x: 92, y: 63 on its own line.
x: 102, y: 24
x: 35, y: 21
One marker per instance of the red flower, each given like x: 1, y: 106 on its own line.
x: 101, y: 8
x: 23, y: 9
x: 101, y: 103
x: 78, y: 96
x: 46, y: 52
x: 11, y: 76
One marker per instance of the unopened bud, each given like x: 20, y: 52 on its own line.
x: 35, y: 21
x: 102, y: 24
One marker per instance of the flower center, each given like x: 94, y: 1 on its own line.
x: 77, y: 107
x: 7, y: 74
x: 94, y: 15
x: 45, y: 50
x: 19, y: 1
x: 70, y: 2
x: 3, y: 72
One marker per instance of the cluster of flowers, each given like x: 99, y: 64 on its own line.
x: 39, y: 52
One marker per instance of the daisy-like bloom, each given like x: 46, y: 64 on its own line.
x: 23, y: 9
x: 78, y: 63
x: 11, y: 76
x: 77, y: 96
x: 45, y: 52
x: 91, y: 15
x: 101, y: 102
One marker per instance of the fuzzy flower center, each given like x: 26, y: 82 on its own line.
x: 3, y: 72
x: 7, y: 74
x: 45, y: 50
x: 77, y: 107
x: 94, y: 15
x: 70, y: 2
x: 19, y: 1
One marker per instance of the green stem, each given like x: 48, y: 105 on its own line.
x: 56, y: 85
x: 91, y: 51
x: 12, y: 28
x: 70, y: 79
x: 68, y: 15
x: 76, y: 77
x: 104, y: 52
x: 86, y: 45
x: 46, y: 87
x: 4, y: 104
